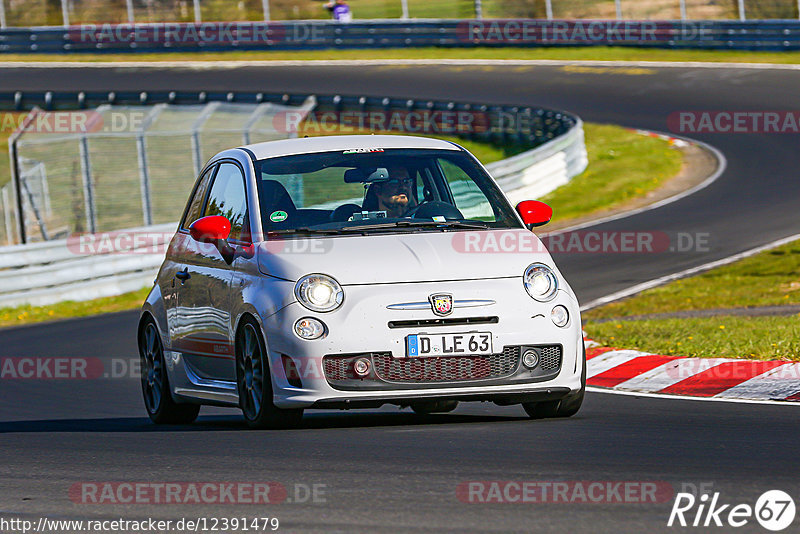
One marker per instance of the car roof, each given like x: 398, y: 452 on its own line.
x: 306, y: 145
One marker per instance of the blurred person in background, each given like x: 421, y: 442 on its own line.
x: 340, y: 10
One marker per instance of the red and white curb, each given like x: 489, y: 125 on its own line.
x: 717, y: 378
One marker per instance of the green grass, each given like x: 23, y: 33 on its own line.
x: 70, y: 309
x: 767, y: 279
x: 758, y: 338
x: 770, y: 278
x: 593, y: 53
x: 623, y: 165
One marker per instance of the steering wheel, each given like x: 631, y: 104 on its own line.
x: 435, y: 208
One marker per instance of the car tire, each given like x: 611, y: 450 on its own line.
x: 566, y: 407
x: 158, y: 401
x: 254, y: 382
x: 438, y: 406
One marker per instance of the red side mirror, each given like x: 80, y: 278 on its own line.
x: 534, y: 213
x: 211, y: 229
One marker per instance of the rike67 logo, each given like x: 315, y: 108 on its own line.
x: 774, y: 510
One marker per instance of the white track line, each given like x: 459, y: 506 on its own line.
x: 212, y: 64
x: 682, y: 397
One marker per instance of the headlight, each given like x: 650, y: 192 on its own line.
x: 309, y: 328
x: 319, y: 292
x: 540, y: 282
x: 560, y: 316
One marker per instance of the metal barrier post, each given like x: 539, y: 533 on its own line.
x: 478, y: 9
x: 618, y: 7
x: 197, y: 150
x: 7, y: 216
x: 404, y: 4
x: 683, y: 9
x: 2, y: 14
x: 65, y: 12
x: 742, y: 16
x: 198, y: 17
x: 144, y: 170
x: 131, y: 16
x: 265, y: 6
x: 88, y: 187
x: 548, y: 7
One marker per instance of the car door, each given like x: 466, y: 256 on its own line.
x: 171, y: 274
x: 205, y: 278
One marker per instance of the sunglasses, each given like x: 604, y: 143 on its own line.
x: 403, y: 182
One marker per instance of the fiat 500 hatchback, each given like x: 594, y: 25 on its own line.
x: 352, y: 272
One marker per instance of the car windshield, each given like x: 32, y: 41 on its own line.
x: 377, y: 190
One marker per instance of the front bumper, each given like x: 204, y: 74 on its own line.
x: 362, y: 327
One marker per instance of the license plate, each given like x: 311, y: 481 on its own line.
x: 419, y: 345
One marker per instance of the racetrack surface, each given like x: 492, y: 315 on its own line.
x: 392, y: 471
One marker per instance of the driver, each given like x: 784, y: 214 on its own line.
x: 396, y: 195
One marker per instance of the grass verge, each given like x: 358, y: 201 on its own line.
x: 771, y: 278
x: 592, y: 53
x: 621, y: 163
x: 755, y: 338
x: 71, y: 309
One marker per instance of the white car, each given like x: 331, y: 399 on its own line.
x: 352, y: 272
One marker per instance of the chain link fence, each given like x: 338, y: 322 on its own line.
x: 23, y: 13
x: 121, y: 167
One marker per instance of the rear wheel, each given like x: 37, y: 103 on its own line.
x: 155, y: 384
x: 566, y: 407
x: 439, y: 406
x: 254, y: 382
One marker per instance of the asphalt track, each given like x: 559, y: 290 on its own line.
x: 390, y: 471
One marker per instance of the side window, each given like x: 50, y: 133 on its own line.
x: 228, y: 198
x: 469, y: 198
x: 195, y: 210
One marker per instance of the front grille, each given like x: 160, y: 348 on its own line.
x: 388, y: 372
x: 443, y: 322
x: 426, y: 370
x: 550, y: 357
x: 446, y: 368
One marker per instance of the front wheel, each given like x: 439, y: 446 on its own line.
x: 566, y: 407
x: 254, y: 383
x: 155, y: 385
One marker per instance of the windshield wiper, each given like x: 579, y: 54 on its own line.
x: 305, y: 230
x: 416, y: 224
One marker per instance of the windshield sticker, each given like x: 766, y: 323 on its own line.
x: 439, y: 218
x: 278, y: 216
x: 362, y: 150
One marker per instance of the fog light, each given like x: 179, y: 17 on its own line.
x: 560, y: 316
x: 530, y: 359
x: 361, y: 367
x: 309, y: 328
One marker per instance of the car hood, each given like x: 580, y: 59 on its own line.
x: 399, y: 258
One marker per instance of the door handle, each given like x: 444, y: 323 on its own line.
x: 183, y: 275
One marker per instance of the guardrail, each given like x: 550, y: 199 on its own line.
x: 52, y: 271
x: 314, y: 35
